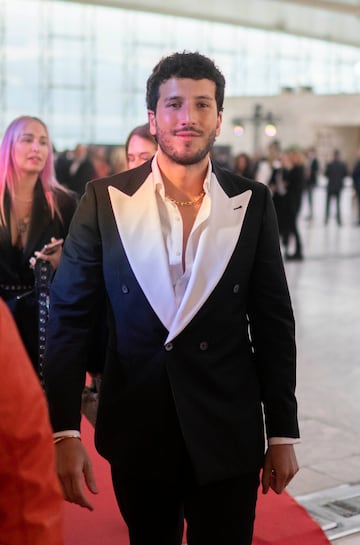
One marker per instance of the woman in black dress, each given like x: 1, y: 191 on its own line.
x: 35, y: 210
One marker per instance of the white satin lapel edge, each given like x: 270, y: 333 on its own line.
x: 139, y: 228
x: 213, y: 254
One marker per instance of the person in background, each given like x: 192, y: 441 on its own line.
x: 75, y: 169
x: 356, y: 184
x: 311, y: 171
x: 293, y: 175
x: 31, y: 503
x: 243, y: 166
x: 201, y: 330
x: 277, y: 162
x: 336, y: 170
x: 140, y: 146
x: 99, y: 158
x: 35, y: 210
x: 118, y: 161
x: 266, y: 165
x: 62, y: 162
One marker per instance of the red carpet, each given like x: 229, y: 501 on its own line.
x: 280, y: 520
x: 104, y: 525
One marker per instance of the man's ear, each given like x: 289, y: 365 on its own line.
x: 218, y: 124
x: 152, y: 122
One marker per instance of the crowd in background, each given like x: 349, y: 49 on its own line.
x: 291, y: 174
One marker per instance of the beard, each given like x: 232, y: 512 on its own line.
x: 187, y: 156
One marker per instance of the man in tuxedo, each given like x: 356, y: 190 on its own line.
x: 201, y: 330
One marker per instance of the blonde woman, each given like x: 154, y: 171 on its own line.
x: 35, y: 213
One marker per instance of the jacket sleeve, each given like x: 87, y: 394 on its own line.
x: 272, y: 329
x: 73, y: 310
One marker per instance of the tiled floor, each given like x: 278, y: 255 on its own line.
x: 325, y: 290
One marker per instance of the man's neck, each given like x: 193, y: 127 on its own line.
x: 185, y: 178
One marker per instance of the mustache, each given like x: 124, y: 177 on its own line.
x: 189, y: 129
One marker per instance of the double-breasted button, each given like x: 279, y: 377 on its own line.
x: 203, y: 345
x: 124, y: 288
x: 236, y: 288
x: 169, y: 347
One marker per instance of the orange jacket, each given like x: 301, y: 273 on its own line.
x: 31, y: 503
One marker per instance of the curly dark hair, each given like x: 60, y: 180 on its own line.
x: 191, y: 65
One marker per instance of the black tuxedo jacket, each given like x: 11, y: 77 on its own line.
x: 208, y: 368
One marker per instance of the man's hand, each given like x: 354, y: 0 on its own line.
x: 72, y: 462
x: 280, y: 466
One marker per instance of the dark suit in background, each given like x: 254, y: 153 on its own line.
x: 335, y: 172
x: 356, y: 184
x: 74, y: 169
x: 311, y: 174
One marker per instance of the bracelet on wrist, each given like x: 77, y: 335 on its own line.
x: 63, y: 437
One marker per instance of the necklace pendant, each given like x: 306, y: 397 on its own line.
x: 23, y: 225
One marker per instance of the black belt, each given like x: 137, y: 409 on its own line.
x: 15, y: 288
x: 15, y: 292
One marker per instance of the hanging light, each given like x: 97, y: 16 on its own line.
x: 270, y: 130
x: 261, y: 121
x: 270, y: 127
x: 238, y: 127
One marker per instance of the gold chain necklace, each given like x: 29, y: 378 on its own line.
x: 187, y: 203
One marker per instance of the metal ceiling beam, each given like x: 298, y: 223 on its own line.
x: 337, y: 22
x: 342, y: 7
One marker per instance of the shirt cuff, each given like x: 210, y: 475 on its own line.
x: 283, y: 441
x: 66, y: 433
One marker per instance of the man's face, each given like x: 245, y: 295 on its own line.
x: 186, y: 121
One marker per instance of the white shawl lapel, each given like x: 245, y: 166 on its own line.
x: 138, y: 224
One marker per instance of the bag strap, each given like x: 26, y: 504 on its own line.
x: 43, y: 272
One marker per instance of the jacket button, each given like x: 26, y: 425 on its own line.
x: 169, y: 346
x: 236, y: 288
x: 204, y: 345
x: 124, y: 288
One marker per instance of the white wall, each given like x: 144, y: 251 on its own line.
x: 305, y: 119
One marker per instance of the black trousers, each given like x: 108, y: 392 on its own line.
x: 329, y: 198
x: 216, y: 513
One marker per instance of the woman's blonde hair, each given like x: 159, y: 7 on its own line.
x: 9, y: 173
